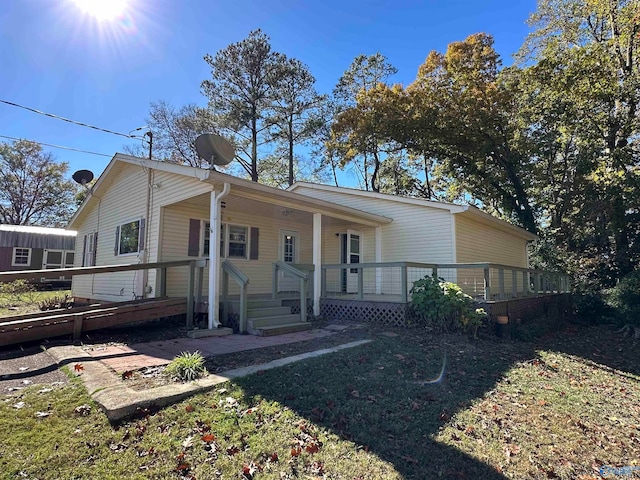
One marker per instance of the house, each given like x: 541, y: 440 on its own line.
x: 337, y: 244
x: 37, y: 248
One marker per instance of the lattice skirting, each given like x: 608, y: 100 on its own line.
x: 294, y: 304
x: 381, y: 313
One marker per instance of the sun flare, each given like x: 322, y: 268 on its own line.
x: 102, y: 10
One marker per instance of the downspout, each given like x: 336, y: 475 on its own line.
x: 145, y: 255
x: 214, y: 256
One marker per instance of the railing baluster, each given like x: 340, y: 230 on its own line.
x: 404, y: 284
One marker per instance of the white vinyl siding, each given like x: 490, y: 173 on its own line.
x: 124, y: 200
x: 175, y: 240
x: 477, y: 242
x: 417, y: 233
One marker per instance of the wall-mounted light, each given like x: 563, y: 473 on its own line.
x: 285, y: 212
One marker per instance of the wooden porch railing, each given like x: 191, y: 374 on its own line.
x: 160, y: 266
x: 303, y: 278
x: 230, y: 270
x: 486, y: 281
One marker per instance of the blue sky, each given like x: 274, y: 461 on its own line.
x: 58, y: 59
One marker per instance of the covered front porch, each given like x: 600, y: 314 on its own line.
x: 253, y: 243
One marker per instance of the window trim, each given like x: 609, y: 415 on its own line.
x: 137, y: 252
x: 225, y: 229
x: 29, y: 255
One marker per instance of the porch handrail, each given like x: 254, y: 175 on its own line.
x: 543, y: 280
x: 230, y: 270
x: 302, y: 276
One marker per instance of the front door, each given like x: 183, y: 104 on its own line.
x: 289, y: 253
x: 350, y: 252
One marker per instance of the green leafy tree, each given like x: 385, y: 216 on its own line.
x: 583, y: 84
x: 461, y: 113
x: 33, y: 188
x: 296, y: 110
x: 241, y: 94
x: 361, y: 93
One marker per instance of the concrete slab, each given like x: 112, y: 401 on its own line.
x: 205, y: 332
x: 152, y: 354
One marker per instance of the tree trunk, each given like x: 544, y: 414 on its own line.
x: 290, y: 134
x: 254, y: 145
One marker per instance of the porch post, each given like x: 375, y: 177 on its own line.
x: 378, y: 260
x: 214, y: 263
x: 317, y: 262
x: 214, y: 256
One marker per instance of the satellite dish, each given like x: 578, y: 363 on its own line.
x: 214, y: 149
x: 82, y: 176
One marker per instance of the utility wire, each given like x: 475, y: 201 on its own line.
x: 58, y: 146
x: 67, y: 120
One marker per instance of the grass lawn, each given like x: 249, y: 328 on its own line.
x: 406, y: 406
x: 27, y: 302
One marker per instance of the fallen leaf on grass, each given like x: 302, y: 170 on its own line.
x: 208, y: 438
x: 295, y: 451
x: 189, y: 408
x: 188, y: 442
x: 126, y: 375
x: 82, y: 410
x: 232, y: 450
x: 78, y: 367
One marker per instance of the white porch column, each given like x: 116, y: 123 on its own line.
x: 214, y: 263
x: 317, y: 262
x: 378, y: 260
x: 214, y: 256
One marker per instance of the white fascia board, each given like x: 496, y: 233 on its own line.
x: 452, y: 207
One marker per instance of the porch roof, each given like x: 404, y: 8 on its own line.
x: 239, y: 186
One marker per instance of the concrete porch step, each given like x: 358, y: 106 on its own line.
x: 282, y: 329
x: 255, y: 323
x: 267, y: 312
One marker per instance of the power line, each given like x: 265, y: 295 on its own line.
x: 67, y: 120
x: 58, y: 146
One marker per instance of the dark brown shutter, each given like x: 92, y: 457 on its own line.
x: 194, y: 237
x: 117, y: 247
x: 84, y: 251
x: 255, y: 236
x: 95, y: 249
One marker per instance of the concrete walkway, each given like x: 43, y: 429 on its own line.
x: 122, y: 358
x: 118, y: 401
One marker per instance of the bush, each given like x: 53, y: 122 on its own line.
x: 592, y: 309
x: 56, y: 303
x: 443, y: 307
x: 625, y: 298
x: 186, y: 367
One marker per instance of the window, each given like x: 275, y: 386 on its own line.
x: 354, y: 250
x: 130, y: 238
x: 89, y: 253
x: 206, y: 239
x: 237, y: 242
x: 21, y: 257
